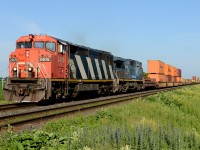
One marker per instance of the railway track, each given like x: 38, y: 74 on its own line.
x: 50, y: 112
x: 3, y: 106
x: 14, y: 106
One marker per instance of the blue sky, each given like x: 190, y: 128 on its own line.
x: 167, y: 30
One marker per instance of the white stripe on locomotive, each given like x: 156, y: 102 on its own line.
x: 81, y: 67
x: 111, y: 72
x: 98, y: 68
x: 90, y: 67
x: 104, y: 69
x: 73, y: 68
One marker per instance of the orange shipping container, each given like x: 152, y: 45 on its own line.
x: 178, y: 79
x: 158, y: 77
x: 168, y: 69
x: 174, y: 71
x: 194, y: 78
x: 179, y: 72
x: 173, y: 79
x: 169, y: 78
x: 156, y: 66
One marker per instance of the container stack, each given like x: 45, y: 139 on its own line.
x: 178, y: 75
x: 174, y: 74
x: 163, y: 72
x: 168, y: 72
x: 156, y: 70
x: 195, y: 78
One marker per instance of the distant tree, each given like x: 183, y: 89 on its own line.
x: 145, y: 75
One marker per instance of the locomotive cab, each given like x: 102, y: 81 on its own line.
x: 33, y: 57
x: 36, y: 59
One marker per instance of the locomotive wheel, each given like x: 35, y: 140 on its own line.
x: 103, y: 90
x: 125, y: 88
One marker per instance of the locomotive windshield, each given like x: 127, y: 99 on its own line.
x: 38, y: 44
x: 24, y: 45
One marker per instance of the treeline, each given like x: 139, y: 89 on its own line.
x: 2, y: 78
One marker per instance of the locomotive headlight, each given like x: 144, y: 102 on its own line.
x: 14, y: 69
x: 30, y: 69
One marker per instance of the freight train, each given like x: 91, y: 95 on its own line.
x: 43, y: 67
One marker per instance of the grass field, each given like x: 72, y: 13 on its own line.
x: 167, y: 120
x: 2, y: 100
x: 1, y: 91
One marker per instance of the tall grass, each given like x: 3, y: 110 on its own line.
x: 167, y: 120
x: 1, y: 91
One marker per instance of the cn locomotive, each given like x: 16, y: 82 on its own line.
x: 44, y: 67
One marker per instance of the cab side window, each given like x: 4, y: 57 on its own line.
x: 62, y: 48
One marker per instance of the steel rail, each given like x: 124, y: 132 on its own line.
x: 13, y: 106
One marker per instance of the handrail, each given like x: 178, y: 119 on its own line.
x: 45, y: 71
x: 44, y: 74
